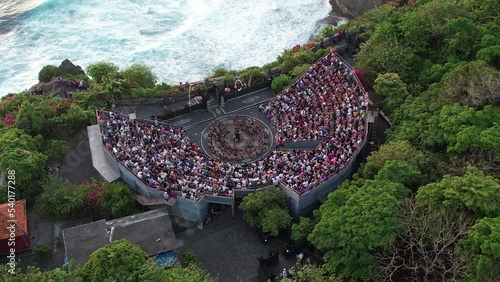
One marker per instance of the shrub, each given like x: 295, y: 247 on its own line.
x: 229, y: 80
x: 301, y: 230
x: 266, y: 211
x: 140, y: 75
x: 246, y: 73
x: 188, y: 257
x: 43, y: 251
x: 48, y: 72
x: 280, y: 82
x: 56, y: 150
x: 117, y: 200
x: 101, y: 70
x: 320, y: 53
x: 220, y: 72
x: 290, y: 59
x: 327, y: 31
x: 299, y: 70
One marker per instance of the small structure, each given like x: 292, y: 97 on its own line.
x: 14, y: 233
x: 151, y: 230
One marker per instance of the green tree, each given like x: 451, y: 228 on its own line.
x: 484, y: 242
x: 33, y: 118
x: 418, y: 31
x: 305, y: 271
x: 396, y: 150
x: 465, y: 129
x: 280, y: 82
x: 471, y: 192
x: 400, y: 172
x: 376, y: 16
x: 101, y: 70
x: 66, y: 273
x: 60, y: 198
x: 266, y: 210
x: 118, y: 261
x: 383, y: 53
x: 302, y: 229
x: 417, y: 121
x: 275, y: 219
x: 117, y: 200
x: 140, y: 75
x: 190, y: 273
x: 320, y: 53
x: 461, y: 38
x: 394, y: 91
x: 56, y: 150
x: 48, y: 72
x: 358, y: 223
x: 19, y: 152
x: 188, y: 257
x: 491, y: 55
x: 78, y: 118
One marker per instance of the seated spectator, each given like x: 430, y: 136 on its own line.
x: 326, y: 103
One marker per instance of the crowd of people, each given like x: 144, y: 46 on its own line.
x: 248, y: 139
x: 69, y: 85
x: 326, y: 103
x: 324, y: 98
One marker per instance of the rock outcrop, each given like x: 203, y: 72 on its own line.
x: 68, y: 68
x: 356, y: 8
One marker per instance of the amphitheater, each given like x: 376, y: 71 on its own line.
x: 304, y: 140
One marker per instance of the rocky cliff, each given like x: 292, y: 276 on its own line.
x: 356, y: 8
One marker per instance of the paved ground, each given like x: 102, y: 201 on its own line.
x: 228, y: 248
x: 77, y: 165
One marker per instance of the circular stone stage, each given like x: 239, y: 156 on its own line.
x: 237, y: 139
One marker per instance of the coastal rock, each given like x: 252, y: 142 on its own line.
x: 68, y: 68
x: 356, y: 8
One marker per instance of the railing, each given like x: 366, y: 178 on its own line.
x: 353, y: 157
x: 358, y: 150
x: 150, y: 191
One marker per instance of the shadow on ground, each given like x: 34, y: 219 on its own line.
x: 228, y: 248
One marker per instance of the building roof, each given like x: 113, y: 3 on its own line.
x: 81, y: 241
x: 15, y: 212
x: 151, y: 230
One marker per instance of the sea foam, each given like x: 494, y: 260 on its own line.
x: 182, y: 40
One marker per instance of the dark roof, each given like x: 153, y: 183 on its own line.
x: 151, y: 230
x: 81, y: 241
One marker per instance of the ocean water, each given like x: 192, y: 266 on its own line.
x: 182, y: 40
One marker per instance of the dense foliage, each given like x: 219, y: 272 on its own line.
x: 425, y: 206
x: 49, y: 72
x: 62, y: 199
x: 118, y: 261
x: 267, y: 211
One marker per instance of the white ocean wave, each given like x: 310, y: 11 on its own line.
x: 183, y: 40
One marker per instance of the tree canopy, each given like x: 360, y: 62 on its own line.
x: 473, y: 191
x: 266, y: 210
x: 118, y: 261
x: 362, y: 220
